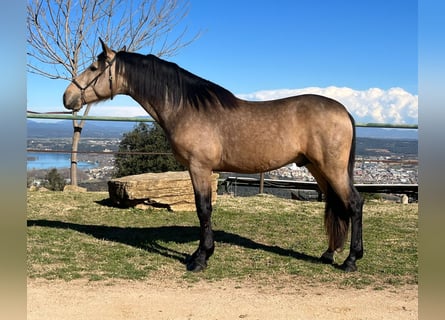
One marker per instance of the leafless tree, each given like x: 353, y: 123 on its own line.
x: 62, y: 36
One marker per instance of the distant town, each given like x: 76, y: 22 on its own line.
x: 375, y: 170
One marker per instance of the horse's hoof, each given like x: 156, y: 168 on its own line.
x: 195, y: 266
x: 348, y: 266
x: 327, y: 258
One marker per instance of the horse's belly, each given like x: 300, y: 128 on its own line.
x: 247, y: 161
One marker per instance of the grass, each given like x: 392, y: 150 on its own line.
x: 262, y: 238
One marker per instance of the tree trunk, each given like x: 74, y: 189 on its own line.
x: 77, y: 126
x: 76, y: 139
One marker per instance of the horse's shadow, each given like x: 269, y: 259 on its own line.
x: 149, y: 238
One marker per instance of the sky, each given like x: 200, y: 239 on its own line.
x: 362, y: 53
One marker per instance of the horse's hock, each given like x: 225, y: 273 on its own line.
x: 171, y: 190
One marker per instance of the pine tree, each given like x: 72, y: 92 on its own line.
x: 55, y: 181
x: 145, y: 138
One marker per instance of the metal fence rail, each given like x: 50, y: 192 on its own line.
x: 55, y: 116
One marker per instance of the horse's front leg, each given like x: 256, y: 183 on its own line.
x: 203, y: 200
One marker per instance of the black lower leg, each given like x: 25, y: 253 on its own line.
x: 356, y: 248
x: 327, y: 257
x: 198, y: 261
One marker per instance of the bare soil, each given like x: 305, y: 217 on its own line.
x: 221, y: 300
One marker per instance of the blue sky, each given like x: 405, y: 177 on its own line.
x: 363, y: 53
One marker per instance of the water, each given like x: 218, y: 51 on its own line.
x: 36, y: 160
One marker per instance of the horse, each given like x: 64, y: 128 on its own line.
x: 210, y: 129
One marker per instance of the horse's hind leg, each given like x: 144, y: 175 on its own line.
x: 356, y: 247
x: 201, y: 180
x: 344, y: 205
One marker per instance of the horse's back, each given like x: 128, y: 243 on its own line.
x: 261, y: 136
x: 304, y: 117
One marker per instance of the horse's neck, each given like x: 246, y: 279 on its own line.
x: 160, y: 113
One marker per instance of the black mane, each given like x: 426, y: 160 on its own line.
x: 154, y: 78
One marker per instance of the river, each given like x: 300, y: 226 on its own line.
x: 43, y: 160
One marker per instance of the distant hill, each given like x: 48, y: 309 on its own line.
x: 115, y: 129
x: 91, y: 129
x: 385, y: 147
x: 381, y: 133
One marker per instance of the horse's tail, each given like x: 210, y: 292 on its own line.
x: 352, y: 153
x: 337, y: 213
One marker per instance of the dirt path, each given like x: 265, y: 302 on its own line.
x: 221, y: 300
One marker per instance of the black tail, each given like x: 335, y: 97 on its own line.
x: 336, y: 221
x: 337, y: 216
x: 352, y: 153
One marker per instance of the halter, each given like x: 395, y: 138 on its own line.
x: 110, y: 78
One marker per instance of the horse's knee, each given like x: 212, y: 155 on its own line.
x: 356, y: 202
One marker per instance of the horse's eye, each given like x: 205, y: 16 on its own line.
x: 93, y: 67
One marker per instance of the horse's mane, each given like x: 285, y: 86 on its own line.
x: 157, y: 79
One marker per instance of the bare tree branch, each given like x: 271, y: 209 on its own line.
x: 62, y: 34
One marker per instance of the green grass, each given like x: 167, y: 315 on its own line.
x: 263, y: 238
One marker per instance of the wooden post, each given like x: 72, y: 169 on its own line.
x: 77, y: 126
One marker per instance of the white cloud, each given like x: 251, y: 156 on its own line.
x: 394, y: 105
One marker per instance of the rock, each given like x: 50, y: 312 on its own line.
x: 171, y: 190
x: 71, y: 188
x: 404, y: 199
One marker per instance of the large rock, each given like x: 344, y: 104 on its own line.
x: 172, y: 190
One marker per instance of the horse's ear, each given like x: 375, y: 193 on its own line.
x: 105, y: 48
x: 124, y: 48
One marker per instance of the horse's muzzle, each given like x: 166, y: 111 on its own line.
x: 72, y: 101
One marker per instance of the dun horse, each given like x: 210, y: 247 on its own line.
x: 210, y: 129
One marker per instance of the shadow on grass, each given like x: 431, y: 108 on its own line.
x: 148, y: 238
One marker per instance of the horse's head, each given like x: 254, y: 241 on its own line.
x: 95, y: 84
